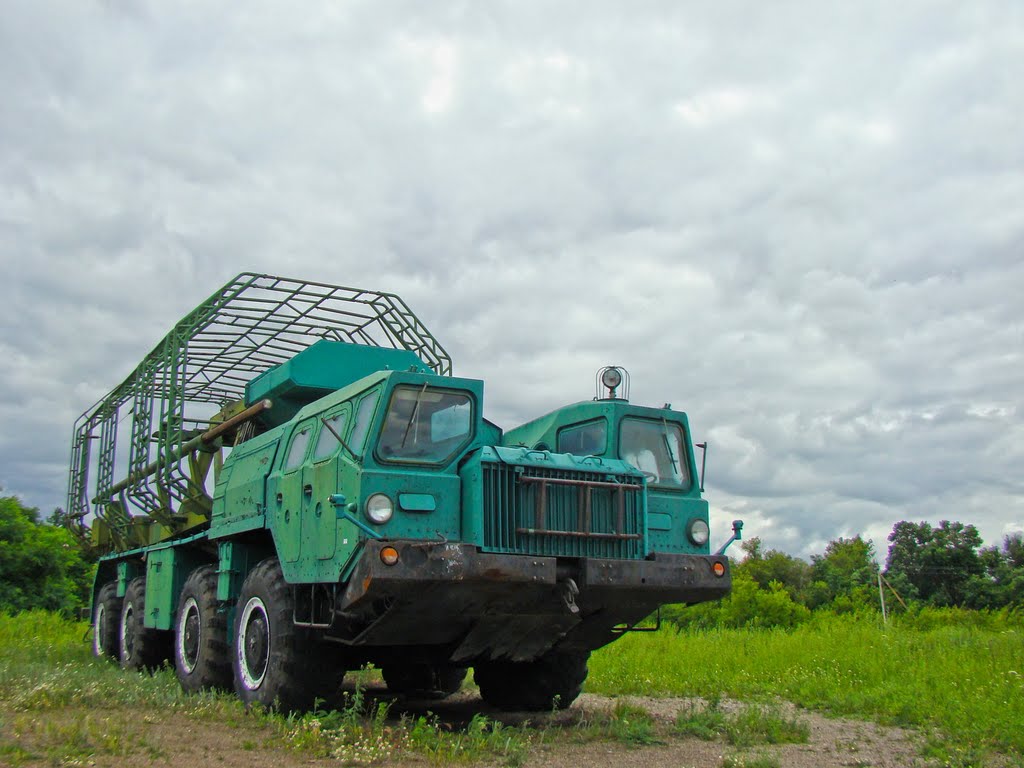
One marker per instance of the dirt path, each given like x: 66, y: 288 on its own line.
x: 560, y: 740
x: 833, y: 742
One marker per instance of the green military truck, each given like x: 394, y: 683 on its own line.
x: 308, y: 489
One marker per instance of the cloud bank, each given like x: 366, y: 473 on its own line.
x: 802, y: 224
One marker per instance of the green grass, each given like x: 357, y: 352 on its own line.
x: 46, y: 663
x: 752, y: 724
x: 961, y: 684
x: 704, y: 722
x: 750, y: 761
x: 61, y: 705
x: 764, y: 724
x: 966, y: 682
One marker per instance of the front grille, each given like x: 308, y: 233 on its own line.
x: 529, y: 510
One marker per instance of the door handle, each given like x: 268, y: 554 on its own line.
x: 307, y: 491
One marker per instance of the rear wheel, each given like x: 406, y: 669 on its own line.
x: 436, y: 681
x: 201, y: 656
x: 141, y: 647
x: 105, y: 619
x: 275, y: 663
x: 551, y: 682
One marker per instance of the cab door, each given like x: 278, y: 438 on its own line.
x: 320, y: 528
x: 350, y: 471
x: 290, y: 495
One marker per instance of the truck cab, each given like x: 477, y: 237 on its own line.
x: 656, y: 441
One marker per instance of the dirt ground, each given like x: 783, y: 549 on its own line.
x: 162, y: 739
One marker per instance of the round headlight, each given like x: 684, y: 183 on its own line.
x: 698, y: 532
x: 379, y: 508
x: 611, y: 377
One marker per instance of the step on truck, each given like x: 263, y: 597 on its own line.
x: 307, y: 489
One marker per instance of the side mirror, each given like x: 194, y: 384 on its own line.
x: 703, y: 462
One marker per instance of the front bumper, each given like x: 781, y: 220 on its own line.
x: 511, y: 606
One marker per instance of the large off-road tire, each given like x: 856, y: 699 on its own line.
x: 141, y: 647
x: 551, y: 682
x: 201, y: 655
x: 106, y: 617
x: 428, y: 680
x: 275, y: 663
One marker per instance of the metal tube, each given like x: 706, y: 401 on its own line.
x: 252, y: 411
x: 186, y: 448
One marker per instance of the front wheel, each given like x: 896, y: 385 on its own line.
x: 201, y: 657
x: 277, y: 664
x: 551, y: 682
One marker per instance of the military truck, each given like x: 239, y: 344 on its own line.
x: 307, y: 489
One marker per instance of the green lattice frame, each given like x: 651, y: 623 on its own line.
x: 252, y: 323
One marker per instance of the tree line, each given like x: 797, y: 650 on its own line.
x: 943, y: 566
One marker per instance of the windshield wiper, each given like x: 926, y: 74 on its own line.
x: 414, y: 414
x: 340, y: 439
x: 668, y: 447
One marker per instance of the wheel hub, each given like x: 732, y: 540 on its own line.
x: 97, y: 631
x: 254, y: 644
x: 190, y: 637
x: 128, y: 633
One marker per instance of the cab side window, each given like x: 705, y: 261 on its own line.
x: 588, y: 439
x: 333, y: 427
x: 297, y: 449
x: 361, y: 425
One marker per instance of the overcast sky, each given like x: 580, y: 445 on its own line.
x: 800, y: 222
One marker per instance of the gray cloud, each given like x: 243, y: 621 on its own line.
x: 802, y: 224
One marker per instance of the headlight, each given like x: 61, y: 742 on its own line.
x: 698, y: 532
x: 379, y: 508
x: 611, y: 377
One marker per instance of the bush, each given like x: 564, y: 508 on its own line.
x: 41, y: 566
x: 747, y: 606
x: 926, y: 618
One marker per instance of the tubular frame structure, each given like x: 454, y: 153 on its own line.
x: 251, y: 324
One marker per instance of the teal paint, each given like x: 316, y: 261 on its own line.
x: 670, y: 507
x: 417, y: 502
x: 658, y: 521
x: 321, y: 369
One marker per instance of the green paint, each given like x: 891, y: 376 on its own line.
x: 167, y: 568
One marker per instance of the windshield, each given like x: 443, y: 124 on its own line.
x: 656, y: 449
x: 425, y: 424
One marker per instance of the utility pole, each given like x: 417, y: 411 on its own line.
x: 881, y: 599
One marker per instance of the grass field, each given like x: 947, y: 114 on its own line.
x: 961, y: 684
x: 965, y: 682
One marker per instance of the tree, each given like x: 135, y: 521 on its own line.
x: 939, y: 562
x: 773, y: 566
x: 1013, y: 550
x: 41, y: 566
x: 848, y: 571
x: 1002, y: 582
